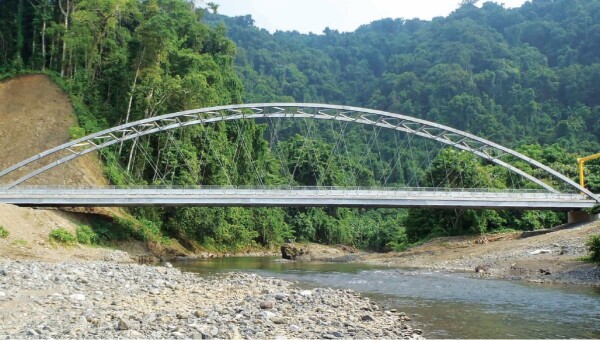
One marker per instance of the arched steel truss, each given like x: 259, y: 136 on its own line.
x: 462, y: 140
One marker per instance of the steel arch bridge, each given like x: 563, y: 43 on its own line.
x: 490, y: 151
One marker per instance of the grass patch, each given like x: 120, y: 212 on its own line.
x: 3, y: 232
x: 62, y: 235
x: 20, y: 242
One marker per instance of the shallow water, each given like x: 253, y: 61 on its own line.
x: 444, y: 305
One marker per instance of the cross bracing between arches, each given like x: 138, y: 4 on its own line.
x: 483, y: 148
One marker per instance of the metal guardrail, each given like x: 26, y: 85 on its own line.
x: 273, y: 187
x: 277, y: 191
x: 283, y: 192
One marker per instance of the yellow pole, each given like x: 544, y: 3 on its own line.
x: 581, y: 162
x: 581, y: 173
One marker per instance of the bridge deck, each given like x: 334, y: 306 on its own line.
x: 80, y: 197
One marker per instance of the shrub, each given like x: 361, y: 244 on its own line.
x: 593, y: 244
x: 86, y: 235
x: 593, y: 211
x: 76, y: 132
x: 3, y: 232
x: 62, y: 235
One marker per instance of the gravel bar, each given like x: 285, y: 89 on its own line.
x: 90, y: 299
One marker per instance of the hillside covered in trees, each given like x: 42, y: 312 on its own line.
x: 516, y: 76
x: 527, y: 78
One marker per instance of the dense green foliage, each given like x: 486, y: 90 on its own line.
x: 62, y: 235
x: 86, y: 235
x: 593, y: 244
x: 527, y: 78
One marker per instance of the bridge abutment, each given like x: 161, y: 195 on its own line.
x: 581, y: 217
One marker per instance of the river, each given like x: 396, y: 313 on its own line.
x: 444, y: 305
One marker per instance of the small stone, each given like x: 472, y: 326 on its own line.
x: 123, y: 324
x: 183, y: 315
x: 295, y: 328
x: 213, y: 331
x: 267, y: 304
x: 77, y: 297
x: 135, y: 334
x: 196, y: 335
x: 267, y: 314
x: 32, y: 332
x: 337, y: 334
x: 278, y: 321
x: 328, y: 336
x: 367, y: 317
x: 199, y: 313
x: 2, y: 294
x: 168, y: 265
x: 281, y: 297
x: 306, y: 293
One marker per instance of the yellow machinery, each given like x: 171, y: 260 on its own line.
x: 581, y: 162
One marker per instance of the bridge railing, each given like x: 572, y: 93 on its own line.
x: 268, y: 187
x: 287, y: 190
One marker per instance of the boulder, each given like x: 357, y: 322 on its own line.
x: 291, y: 251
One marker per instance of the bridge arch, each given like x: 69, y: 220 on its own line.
x: 444, y: 134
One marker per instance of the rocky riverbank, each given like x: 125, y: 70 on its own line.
x: 548, y: 258
x: 92, y: 299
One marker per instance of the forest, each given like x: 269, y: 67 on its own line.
x: 527, y: 78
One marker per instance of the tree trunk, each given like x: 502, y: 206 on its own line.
x: 20, y: 33
x: 65, y: 11
x: 131, y: 155
x: 137, y: 73
x: 33, y: 48
x: 44, y: 45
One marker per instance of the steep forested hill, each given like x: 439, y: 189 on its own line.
x: 517, y: 76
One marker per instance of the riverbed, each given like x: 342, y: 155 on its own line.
x: 444, y: 305
x: 108, y: 300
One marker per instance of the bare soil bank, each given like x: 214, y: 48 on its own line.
x: 552, y: 258
x: 35, y: 115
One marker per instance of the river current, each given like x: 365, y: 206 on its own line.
x: 444, y: 305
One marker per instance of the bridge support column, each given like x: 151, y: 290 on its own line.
x: 581, y: 217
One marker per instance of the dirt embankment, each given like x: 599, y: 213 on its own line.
x: 35, y: 115
x: 553, y: 257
